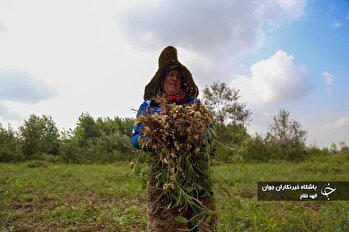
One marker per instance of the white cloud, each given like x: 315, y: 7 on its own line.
x: 337, y: 24
x: 277, y: 12
x: 210, y: 28
x: 339, y: 123
x: 2, y: 27
x: 75, y: 48
x: 217, y: 32
x: 273, y: 81
x: 22, y: 87
x: 7, y: 114
x: 329, y: 78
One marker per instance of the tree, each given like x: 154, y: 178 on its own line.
x: 39, y: 135
x: 86, y: 129
x: 6, y: 136
x: 256, y: 149
x: 333, y: 148
x: 230, y: 116
x: 97, y: 140
x: 343, y: 146
x: 287, y: 137
x: 224, y: 103
x: 8, y: 145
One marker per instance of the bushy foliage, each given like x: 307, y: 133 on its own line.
x: 230, y: 117
x: 36, y: 164
x: 314, y: 151
x: 39, y: 135
x: 286, y: 138
x: 333, y: 152
x: 101, y: 140
x: 256, y: 149
x: 343, y: 147
x: 9, y: 149
x: 224, y: 103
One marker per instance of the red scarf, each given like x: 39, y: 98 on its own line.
x: 179, y: 98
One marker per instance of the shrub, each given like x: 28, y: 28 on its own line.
x: 257, y: 149
x: 36, y: 164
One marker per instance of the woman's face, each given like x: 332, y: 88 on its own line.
x: 173, y: 82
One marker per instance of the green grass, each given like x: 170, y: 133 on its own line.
x: 67, y: 197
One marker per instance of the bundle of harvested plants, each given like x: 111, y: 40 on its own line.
x: 179, y: 137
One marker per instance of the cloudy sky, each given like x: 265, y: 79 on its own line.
x: 63, y: 58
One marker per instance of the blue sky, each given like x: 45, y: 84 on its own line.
x: 318, y: 41
x: 314, y: 40
x: 63, y: 58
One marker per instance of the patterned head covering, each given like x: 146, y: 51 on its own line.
x: 168, y: 60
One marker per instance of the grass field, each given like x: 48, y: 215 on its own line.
x: 66, y: 197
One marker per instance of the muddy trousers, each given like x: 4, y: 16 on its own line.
x: 161, y: 219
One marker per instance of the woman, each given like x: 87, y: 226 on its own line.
x: 174, y: 81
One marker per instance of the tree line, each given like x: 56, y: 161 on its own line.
x: 92, y: 140
x: 286, y: 139
x: 108, y: 139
